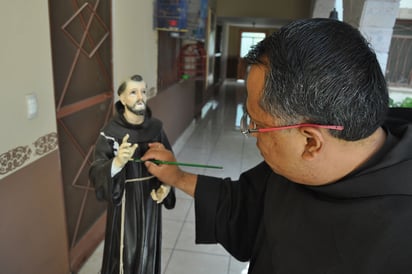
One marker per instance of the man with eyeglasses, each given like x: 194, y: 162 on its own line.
x: 334, y: 193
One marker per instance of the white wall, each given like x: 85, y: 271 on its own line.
x: 25, y: 67
x: 134, y: 41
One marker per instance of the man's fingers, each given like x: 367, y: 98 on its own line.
x: 149, y: 165
x: 156, y: 145
x: 153, y: 152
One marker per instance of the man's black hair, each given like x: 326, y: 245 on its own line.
x: 322, y: 71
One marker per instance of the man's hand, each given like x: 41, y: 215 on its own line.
x: 125, y: 153
x: 168, y: 174
x: 165, y: 173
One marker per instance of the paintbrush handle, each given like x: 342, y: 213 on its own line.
x: 178, y: 164
x: 185, y: 164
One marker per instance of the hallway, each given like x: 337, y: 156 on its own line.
x: 213, y: 139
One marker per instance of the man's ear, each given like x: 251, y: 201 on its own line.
x: 314, y: 142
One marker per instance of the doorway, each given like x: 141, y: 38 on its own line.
x: 248, y: 39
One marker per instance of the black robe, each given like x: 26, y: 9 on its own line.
x: 360, y: 224
x: 142, y: 228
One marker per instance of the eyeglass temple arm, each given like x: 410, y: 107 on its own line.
x: 296, y: 126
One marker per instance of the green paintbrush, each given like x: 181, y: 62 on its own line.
x: 175, y: 163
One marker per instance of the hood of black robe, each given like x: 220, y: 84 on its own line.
x: 144, y: 132
x: 389, y: 172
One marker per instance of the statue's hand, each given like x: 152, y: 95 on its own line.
x: 125, y: 153
x: 160, y: 194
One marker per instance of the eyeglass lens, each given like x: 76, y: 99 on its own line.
x: 244, y: 123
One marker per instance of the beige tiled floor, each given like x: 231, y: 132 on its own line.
x: 214, y: 139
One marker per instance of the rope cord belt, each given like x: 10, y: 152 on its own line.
x: 138, y: 179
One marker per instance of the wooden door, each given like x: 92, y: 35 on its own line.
x: 82, y: 71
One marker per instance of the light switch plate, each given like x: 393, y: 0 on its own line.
x: 32, y: 107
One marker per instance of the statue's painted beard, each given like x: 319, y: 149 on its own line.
x: 137, y: 111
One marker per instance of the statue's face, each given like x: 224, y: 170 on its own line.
x: 134, y: 97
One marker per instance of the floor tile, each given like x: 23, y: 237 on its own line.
x: 171, y: 230
x: 180, y: 211
x: 184, y: 262
x: 186, y: 242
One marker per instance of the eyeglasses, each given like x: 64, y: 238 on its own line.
x: 246, y: 121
